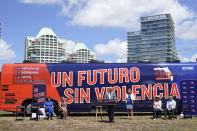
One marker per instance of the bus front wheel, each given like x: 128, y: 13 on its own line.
x: 27, y: 105
x: 28, y: 109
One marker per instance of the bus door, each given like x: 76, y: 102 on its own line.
x: 39, y: 91
x: 189, y: 96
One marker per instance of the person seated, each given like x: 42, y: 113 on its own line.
x: 157, y: 107
x: 35, y: 107
x: 171, y: 107
x: 63, y: 108
x: 48, y: 105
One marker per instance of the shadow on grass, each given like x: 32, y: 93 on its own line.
x: 80, y: 114
x: 7, y: 115
x: 104, y: 121
x: 105, y: 114
x: 125, y: 118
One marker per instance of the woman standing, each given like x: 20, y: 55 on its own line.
x: 129, y: 103
x: 63, y: 108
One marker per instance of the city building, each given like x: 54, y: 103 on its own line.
x: 134, y: 40
x: 81, y: 54
x: 155, y: 42
x: 46, y: 47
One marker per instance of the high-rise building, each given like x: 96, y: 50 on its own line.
x: 81, y: 54
x: 46, y: 47
x: 155, y: 42
x: 134, y: 40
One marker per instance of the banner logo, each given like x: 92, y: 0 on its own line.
x: 163, y: 74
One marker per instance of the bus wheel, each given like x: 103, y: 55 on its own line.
x: 28, y: 108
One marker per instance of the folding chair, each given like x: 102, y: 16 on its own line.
x: 187, y: 111
x: 20, y: 113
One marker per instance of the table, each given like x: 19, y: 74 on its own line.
x: 101, y: 111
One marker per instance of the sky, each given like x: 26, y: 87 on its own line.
x: 100, y: 24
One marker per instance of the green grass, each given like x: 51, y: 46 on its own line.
x: 84, y: 123
x: 5, y: 113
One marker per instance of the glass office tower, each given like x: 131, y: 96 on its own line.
x: 134, y: 40
x: 157, y: 41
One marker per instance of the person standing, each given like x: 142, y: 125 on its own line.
x: 157, y: 107
x: 63, y: 108
x: 110, y: 95
x: 129, y: 103
x: 171, y: 107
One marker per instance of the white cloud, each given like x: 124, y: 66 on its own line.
x: 69, y: 45
x: 41, y: 1
x: 114, y: 47
x: 188, y: 30
x: 192, y: 59
x: 126, y: 13
x: 124, y: 60
x: 5, y: 51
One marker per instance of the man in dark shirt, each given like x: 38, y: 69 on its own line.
x: 35, y: 107
x: 110, y: 95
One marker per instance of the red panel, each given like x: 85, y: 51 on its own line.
x: 21, y: 77
x: 6, y: 74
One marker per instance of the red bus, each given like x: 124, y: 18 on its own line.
x: 82, y: 84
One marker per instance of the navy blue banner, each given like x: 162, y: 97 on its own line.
x: 39, y: 91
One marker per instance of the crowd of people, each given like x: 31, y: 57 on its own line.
x: 170, y: 107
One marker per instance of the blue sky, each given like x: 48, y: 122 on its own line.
x: 100, y: 24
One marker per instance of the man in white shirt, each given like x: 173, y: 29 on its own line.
x: 171, y: 107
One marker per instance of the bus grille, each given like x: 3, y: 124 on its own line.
x: 9, y: 94
x: 9, y: 101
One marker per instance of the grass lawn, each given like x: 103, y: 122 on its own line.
x: 84, y: 123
